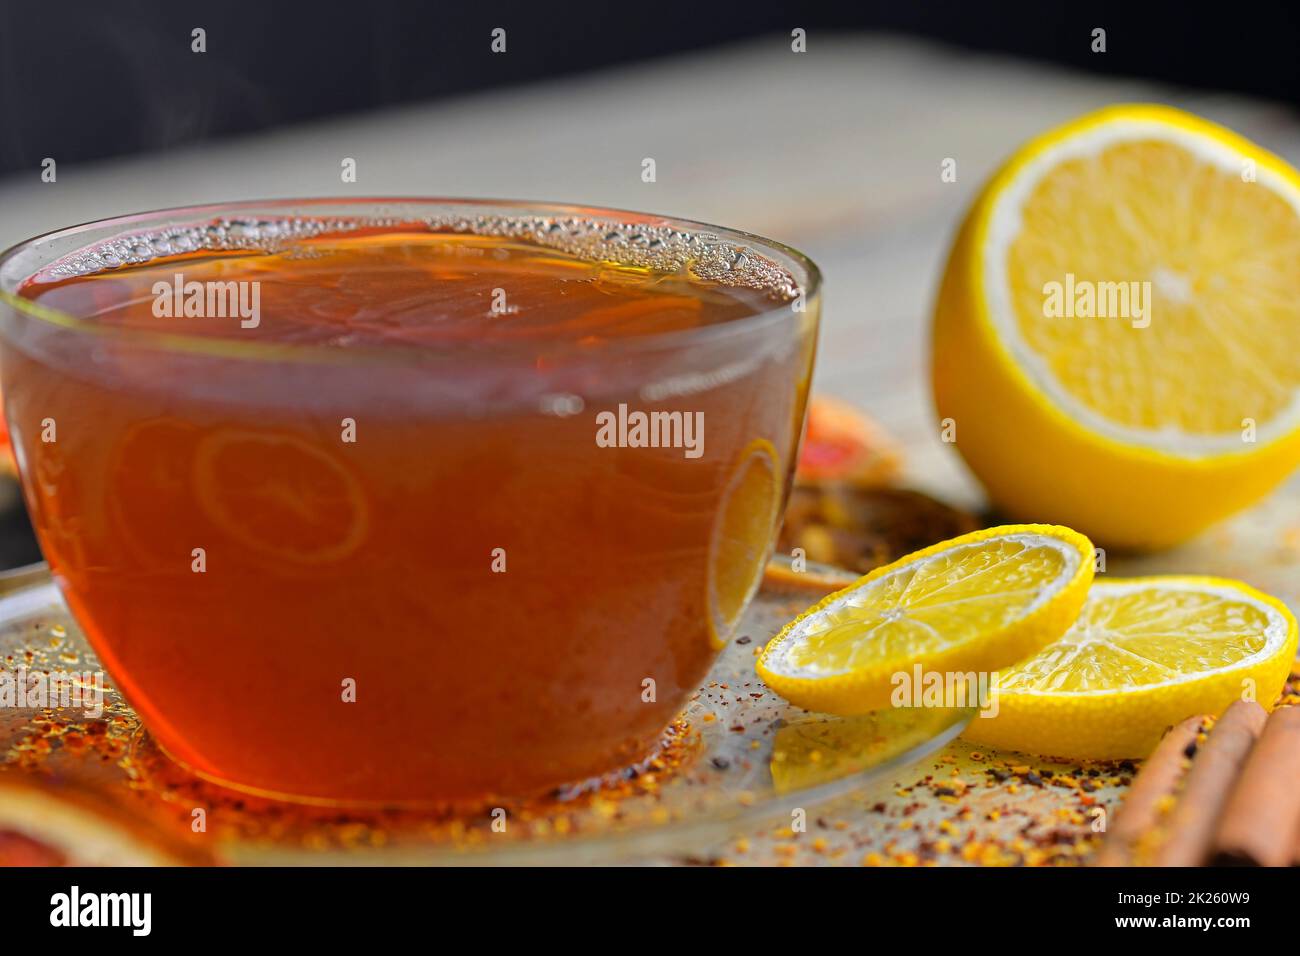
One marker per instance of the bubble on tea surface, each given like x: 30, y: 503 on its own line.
x: 662, y: 249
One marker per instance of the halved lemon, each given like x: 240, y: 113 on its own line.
x: 1117, y: 338
x: 976, y: 603
x: 742, y: 536
x: 1144, y: 654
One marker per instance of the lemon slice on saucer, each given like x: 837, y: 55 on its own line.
x: 975, y: 603
x: 1144, y: 654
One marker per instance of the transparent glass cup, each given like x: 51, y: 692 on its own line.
x: 470, y: 596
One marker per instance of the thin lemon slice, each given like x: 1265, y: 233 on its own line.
x: 976, y: 603
x: 742, y: 537
x: 1117, y: 338
x: 1144, y: 654
x: 280, y: 496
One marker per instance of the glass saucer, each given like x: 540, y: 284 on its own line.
x: 737, y: 758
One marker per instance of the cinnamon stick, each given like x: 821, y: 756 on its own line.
x: 1157, y: 779
x: 1192, y: 824
x: 1261, y: 822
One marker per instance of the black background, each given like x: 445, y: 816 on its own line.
x: 83, y: 80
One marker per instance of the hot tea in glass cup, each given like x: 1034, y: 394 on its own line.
x: 407, y: 501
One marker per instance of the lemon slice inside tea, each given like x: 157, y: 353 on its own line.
x: 975, y: 603
x: 280, y: 497
x: 742, y: 537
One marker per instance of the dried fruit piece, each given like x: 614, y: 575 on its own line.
x: 863, y: 528
x: 60, y: 824
x: 842, y: 445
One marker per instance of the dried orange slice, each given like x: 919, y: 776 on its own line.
x: 842, y: 445
x: 280, y: 496
x: 48, y: 823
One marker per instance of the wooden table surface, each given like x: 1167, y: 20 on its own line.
x: 835, y: 151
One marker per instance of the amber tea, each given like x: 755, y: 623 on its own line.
x: 391, y: 509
